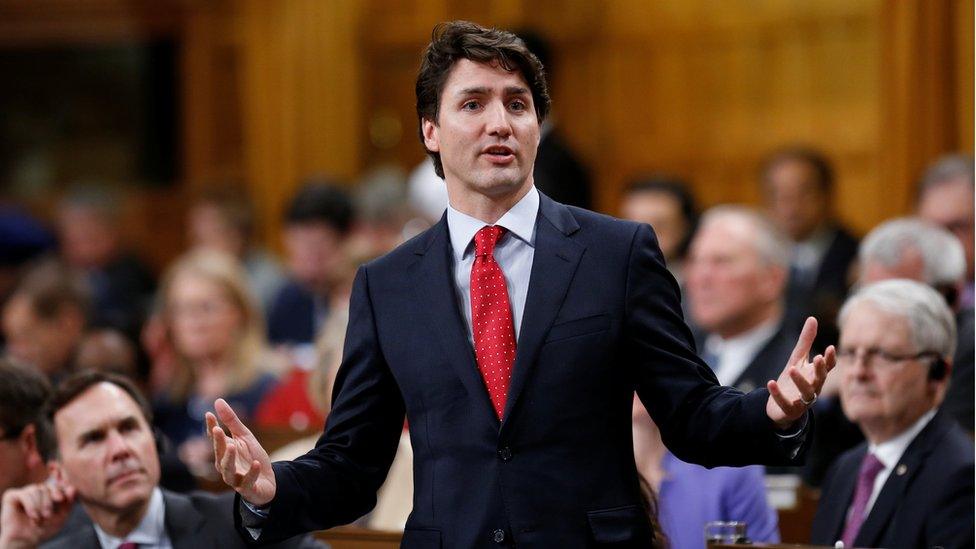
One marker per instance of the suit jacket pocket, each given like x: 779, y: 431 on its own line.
x: 620, y: 524
x: 421, y: 539
x: 578, y: 327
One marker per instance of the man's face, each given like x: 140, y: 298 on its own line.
x: 107, y: 451
x: 313, y: 251
x: 486, y: 132
x: 730, y: 287
x: 87, y: 240
x: 208, y: 229
x: 950, y: 205
x: 662, y: 211
x: 911, y: 265
x: 882, y: 397
x: 794, y: 199
x: 46, y: 344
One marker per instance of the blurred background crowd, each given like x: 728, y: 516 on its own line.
x: 187, y: 188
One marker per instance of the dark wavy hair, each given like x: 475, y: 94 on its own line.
x: 457, y: 40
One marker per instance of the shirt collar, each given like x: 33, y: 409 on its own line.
x: 519, y: 220
x: 745, y: 342
x: 150, y: 530
x: 890, y: 451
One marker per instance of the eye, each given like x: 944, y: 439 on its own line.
x: 517, y: 105
x: 471, y: 105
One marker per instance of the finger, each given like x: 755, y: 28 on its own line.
x: 44, y: 496
x: 807, y: 391
x: 785, y: 404
x: 211, y: 423
x: 252, y: 475
x: 830, y: 357
x: 819, y: 372
x: 803, y: 344
x: 230, y: 419
x: 228, y: 466
x: 219, y: 443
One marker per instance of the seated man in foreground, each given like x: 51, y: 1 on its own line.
x: 107, y: 460
x: 911, y: 483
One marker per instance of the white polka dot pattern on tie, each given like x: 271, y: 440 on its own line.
x: 491, y: 318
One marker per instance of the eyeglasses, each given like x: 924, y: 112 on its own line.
x: 878, y: 357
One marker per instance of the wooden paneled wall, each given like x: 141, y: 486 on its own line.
x: 275, y: 91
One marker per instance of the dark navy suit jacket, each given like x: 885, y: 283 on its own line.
x: 926, y: 502
x: 602, y: 319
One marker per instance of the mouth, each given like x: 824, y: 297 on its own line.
x: 498, y: 154
x: 126, y: 476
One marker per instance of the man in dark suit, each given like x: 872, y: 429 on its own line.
x: 107, y: 461
x: 736, y: 273
x: 797, y: 185
x: 513, y: 335
x: 911, y: 484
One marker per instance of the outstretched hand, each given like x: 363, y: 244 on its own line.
x: 801, y: 380
x: 34, y: 513
x: 240, y: 460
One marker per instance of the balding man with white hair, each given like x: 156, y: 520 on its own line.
x: 738, y: 266
x: 910, y: 484
x: 916, y: 249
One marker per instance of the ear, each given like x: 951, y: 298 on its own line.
x: 28, y: 441
x: 55, y: 470
x: 431, y: 138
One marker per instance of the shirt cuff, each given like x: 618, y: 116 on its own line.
x: 252, y: 518
x: 793, y: 438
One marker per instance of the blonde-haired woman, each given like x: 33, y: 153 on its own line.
x: 217, y: 331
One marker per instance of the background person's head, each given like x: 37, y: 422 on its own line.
x: 88, y: 226
x: 45, y: 317
x: 897, y: 339
x: 105, y: 445
x: 221, y: 219
x: 317, y: 222
x: 212, y: 319
x: 913, y: 249
x: 797, y: 183
x: 736, y: 271
x: 25, y: 444
x: 457, y: 40
x: 945, y: 197
x: 667, y: 205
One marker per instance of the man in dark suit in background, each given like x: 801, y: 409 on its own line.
x: 797, y: 187
x: 512, y: 335
x: 736, y: 274
x: 107, y: 461
x: 911, y: 484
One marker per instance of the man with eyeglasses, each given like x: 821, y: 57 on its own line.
x: 911, y: 483
x: 24, y: 448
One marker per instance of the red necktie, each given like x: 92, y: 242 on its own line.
x: 129, y: 545
x: 491, y: 318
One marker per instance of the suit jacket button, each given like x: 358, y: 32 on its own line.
x: 498, y: 536
x: 505, y: 454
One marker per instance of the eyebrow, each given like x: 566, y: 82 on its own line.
x: 91, y: 433
x: 483, y: 90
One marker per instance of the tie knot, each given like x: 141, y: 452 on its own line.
x: 871, y: 466
x: 486, y: 238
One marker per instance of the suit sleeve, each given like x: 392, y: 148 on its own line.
x: 336, y: 482
x: 701, y: 422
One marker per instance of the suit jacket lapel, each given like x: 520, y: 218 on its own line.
x: 839, y: 505
x: 553, y: 265
x: 437, y: 294
x: 181, y: 520
x: 878, y: 520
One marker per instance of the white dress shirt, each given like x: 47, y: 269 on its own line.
x: 735, y: 353
x: 514, y: 253
x: 889, y: 454
x: 149, y: 534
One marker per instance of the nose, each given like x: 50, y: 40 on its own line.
x: 118, y: 446
x: 497, y: 122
